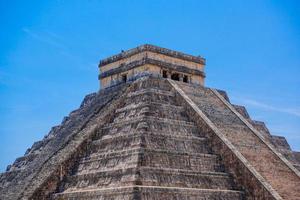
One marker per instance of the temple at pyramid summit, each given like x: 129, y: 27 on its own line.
x: 155, y: 131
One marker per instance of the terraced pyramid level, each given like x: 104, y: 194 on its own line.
x: 152, y: 138
x: 150, y: 145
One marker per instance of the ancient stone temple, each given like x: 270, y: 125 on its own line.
x: 154, y: 131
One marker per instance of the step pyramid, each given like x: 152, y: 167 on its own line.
x: 150, y: 146
x: 153, y: 138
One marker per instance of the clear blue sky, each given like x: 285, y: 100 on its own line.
x: 49, y: 51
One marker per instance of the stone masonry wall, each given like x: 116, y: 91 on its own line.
x: 272, y: 166
x: 27, y: 174
x: 232, y: 159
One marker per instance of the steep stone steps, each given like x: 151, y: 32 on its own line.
x: 152, y: 104
x: 108, y: 161
x: 57, y: 146
x: 123, y: 142
x: 167, y: 177
x: 150, y: 109
x: 116, y: 193
x: 151, y: 193
x: 176, y: 135
x: 151, y: 119
x: 152, y: 158
x: 102, y: 179
x: 153, y: 84
x: 173, y: 193
x: 180, y: 160
x: 158, y: 91
x: 255, y: 148
x: 116, y: 143
x: 151, y: 124
x: 150, y: 176
x: 151, y: 144
x: 152, y: 95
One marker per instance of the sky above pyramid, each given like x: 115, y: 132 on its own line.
x: 50, y: 50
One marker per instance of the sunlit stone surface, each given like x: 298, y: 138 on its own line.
x: 155, y: 132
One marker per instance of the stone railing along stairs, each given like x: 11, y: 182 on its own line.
x: 269, y: 173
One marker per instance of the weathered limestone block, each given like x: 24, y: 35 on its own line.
x: 243, y: 111
x: 280, y: 142
x: 261, y: 127
x: 181, y: 160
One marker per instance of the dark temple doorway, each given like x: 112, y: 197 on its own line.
x: 124, y: 78
x: 165, y: 74
x: 175, y: 77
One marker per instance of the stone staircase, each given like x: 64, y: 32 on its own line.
x: 151, y: 150
x: 272, y: 166
x: 28, y: 173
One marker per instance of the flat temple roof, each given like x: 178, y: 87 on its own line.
x: 155, y: 49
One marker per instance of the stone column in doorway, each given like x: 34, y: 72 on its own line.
x: 168, y: 74
x: 181, y: 77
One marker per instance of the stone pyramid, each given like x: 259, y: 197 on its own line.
x: 155, y: 132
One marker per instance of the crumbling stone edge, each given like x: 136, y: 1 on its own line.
x: 154, y: 49
x: 257, y: 133
x: 244, y: 173
x: 43, y: 184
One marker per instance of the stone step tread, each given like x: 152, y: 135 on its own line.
x: 125, y: 189
x: 158, y: 136
x: 170, y: 171
x: 150, y: 176
x: 159, y: 114
x: 150, y: 103
x: 187, y: 131
x: 196, y: 92
x: 190, y: 146
x: 126, y: 143
x: 149, y: 158
x: 147, y: 118
x: 151, y: 90
x: 141, y: 150
x: 154, y: 134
